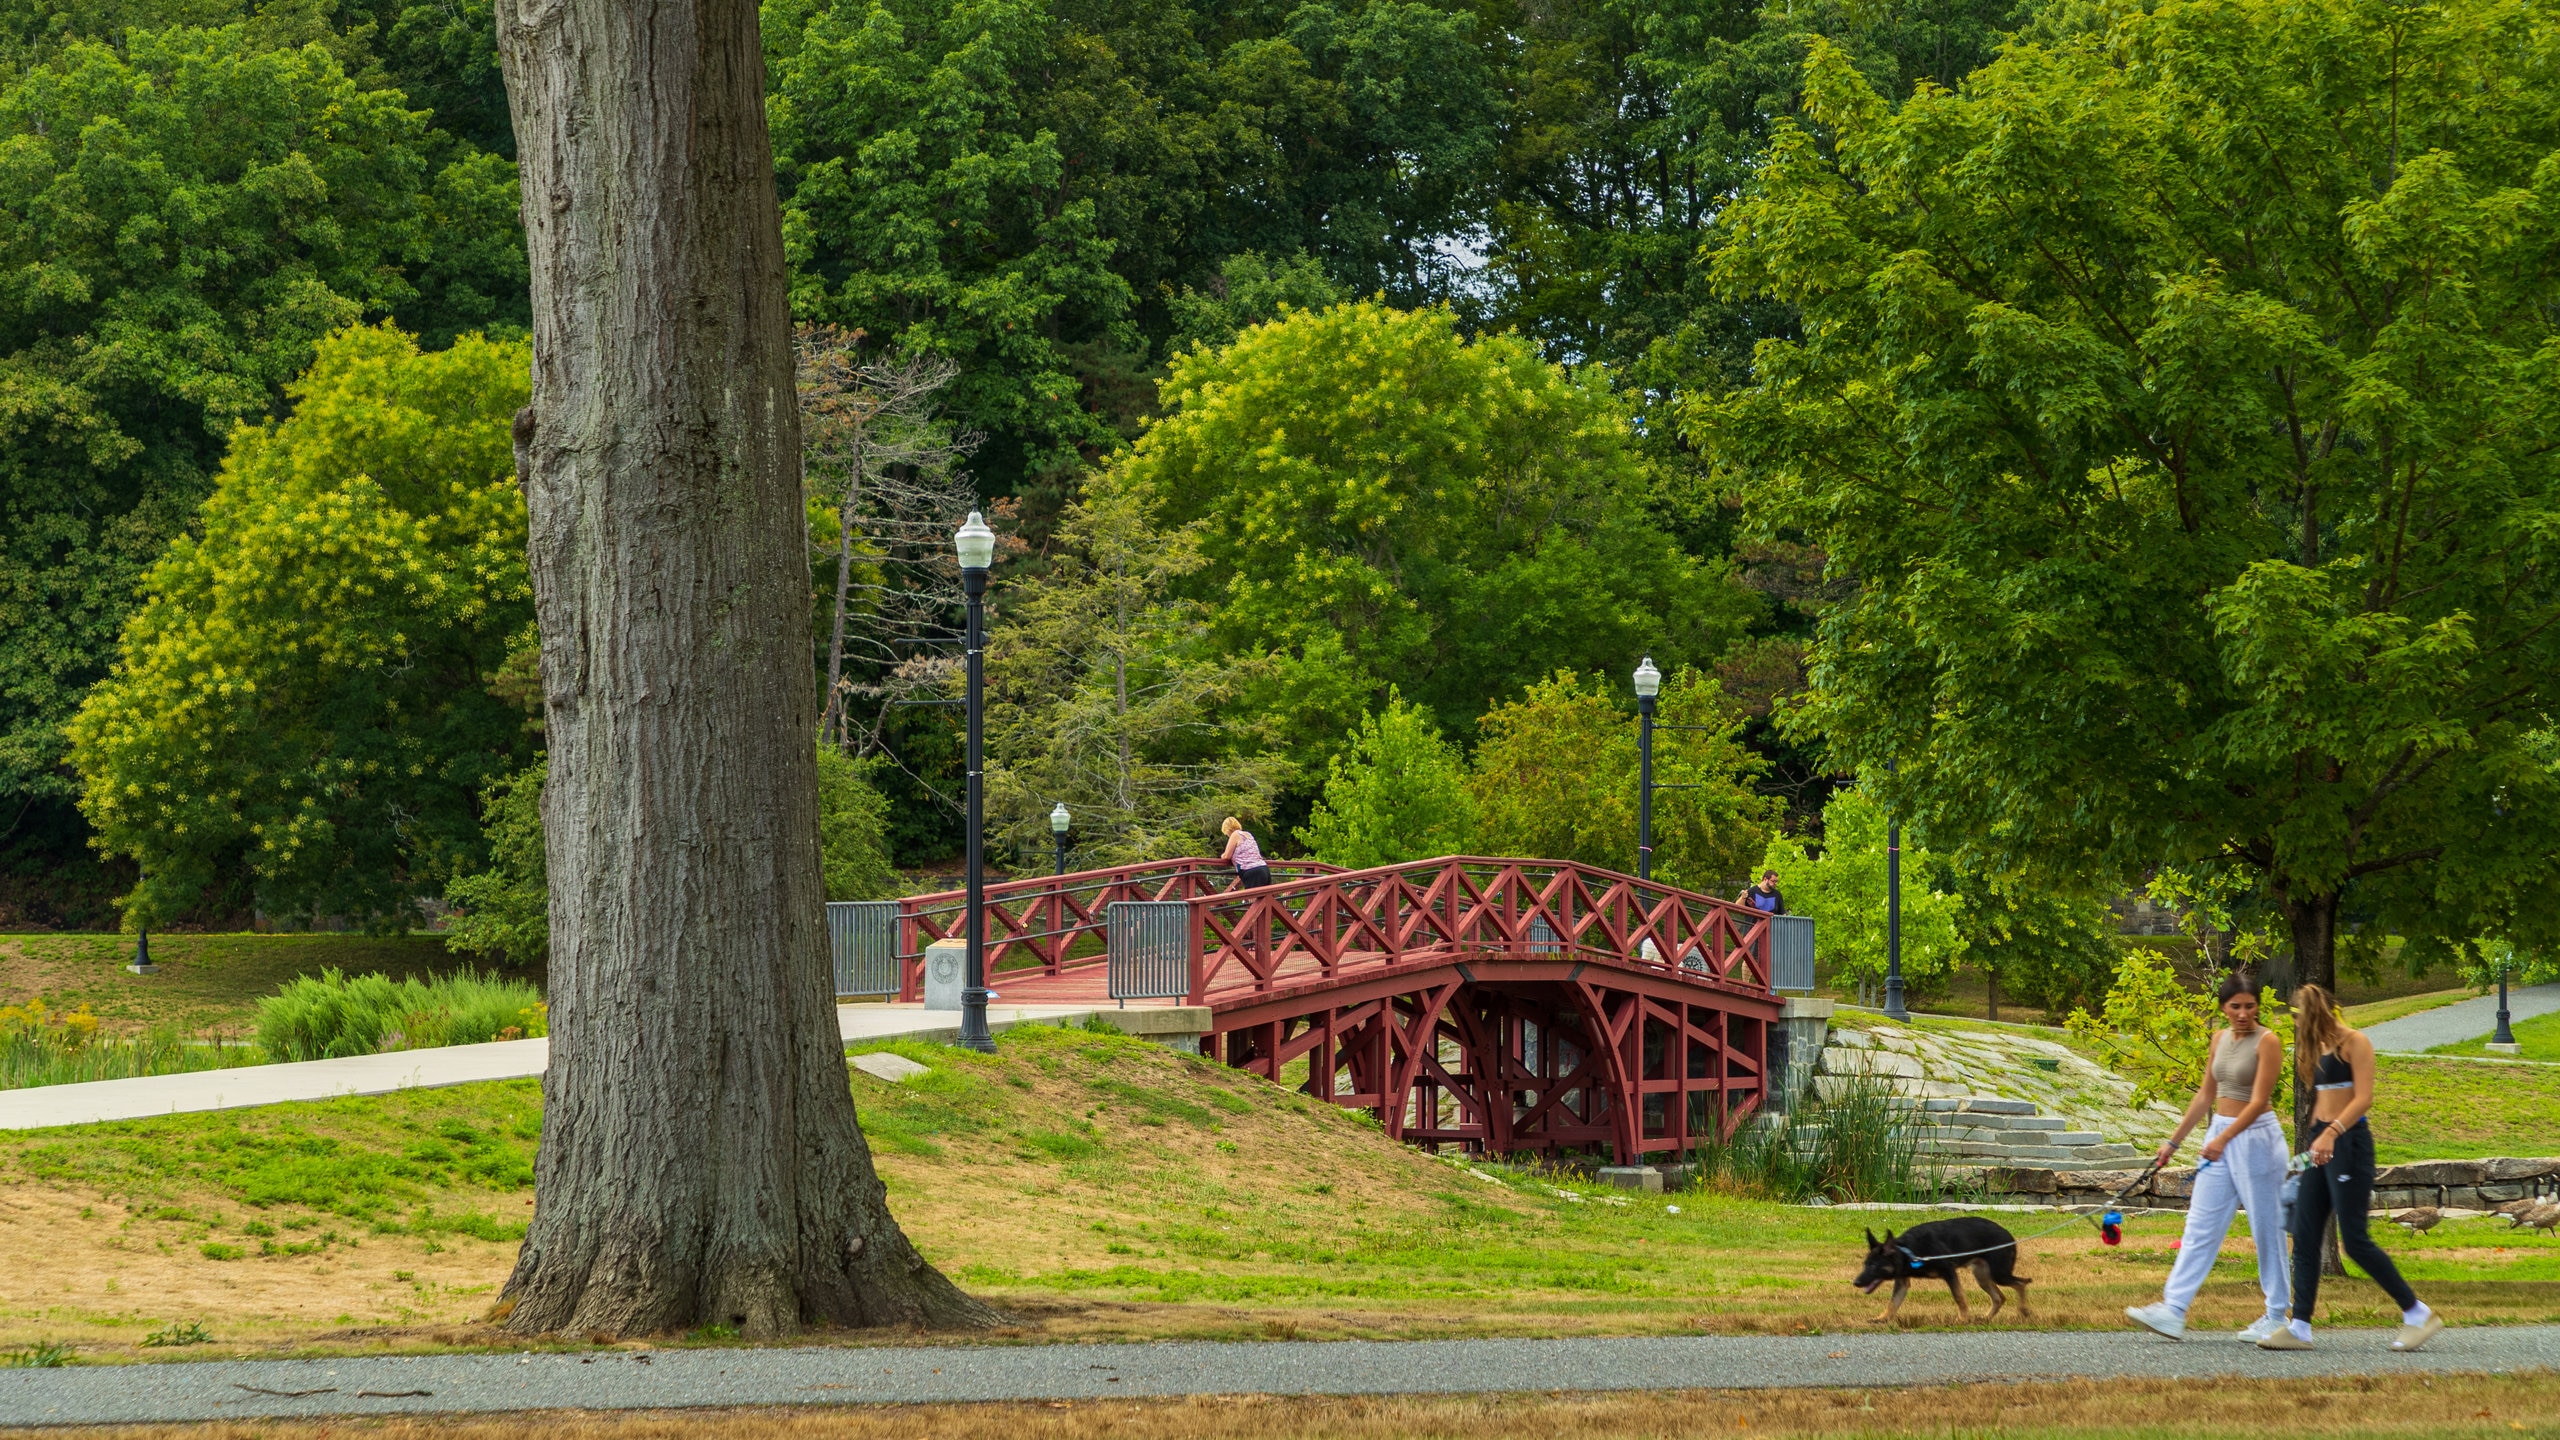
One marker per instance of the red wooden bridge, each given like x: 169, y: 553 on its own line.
x: 1499, y: 1005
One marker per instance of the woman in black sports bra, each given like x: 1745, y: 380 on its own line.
x: 2340, y: 1181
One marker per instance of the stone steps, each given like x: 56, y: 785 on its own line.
x: 1986, y: 1130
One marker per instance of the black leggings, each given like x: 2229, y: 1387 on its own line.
x: 2343, y: 1186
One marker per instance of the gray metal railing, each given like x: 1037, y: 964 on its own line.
x: 1150, y: 943
x: 1790, y: 952
x: 862, y: 937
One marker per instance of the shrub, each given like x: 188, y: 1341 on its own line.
x: 1857, y: 1144
x: 329, y: 1016
x: 2159, y: 1032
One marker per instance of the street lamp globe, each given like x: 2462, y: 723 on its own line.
x: 1648, y: 680
x: 976, y: 543
x: 1059, y: 820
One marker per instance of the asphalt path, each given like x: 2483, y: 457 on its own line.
x: 678, y: 1379
x: 2473, y: 1019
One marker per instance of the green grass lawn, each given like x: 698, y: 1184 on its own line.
x: 2456, y: 1110
x: 208, y: 985
x: 2376, y: 1011
x: 2540, y: 1037
x: 1091, y: 1185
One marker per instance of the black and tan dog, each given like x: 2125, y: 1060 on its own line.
x: 1944, y: 1250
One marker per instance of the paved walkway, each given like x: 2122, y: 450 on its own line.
x: 668, y: 1379
x: 44, y: 1106
x: 2473, y: 1019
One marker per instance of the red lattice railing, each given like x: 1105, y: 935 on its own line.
x: 1316, y: 925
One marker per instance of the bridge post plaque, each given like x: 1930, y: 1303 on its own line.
x: 946, y: 966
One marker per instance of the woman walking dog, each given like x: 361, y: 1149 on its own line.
x: 2243, y: 1168
x: 2341, y: 1181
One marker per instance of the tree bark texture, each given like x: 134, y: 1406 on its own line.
x: 700, y: 1159
x: 2314, y: 919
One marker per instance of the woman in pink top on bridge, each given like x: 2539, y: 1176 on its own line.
x: 1251, y: 869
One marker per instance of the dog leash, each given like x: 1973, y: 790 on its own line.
x: 2109, y: 1219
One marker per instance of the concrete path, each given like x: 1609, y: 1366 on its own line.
x: 2473, y: 1019
x: 624, y: 1380
x: 45, y: 1106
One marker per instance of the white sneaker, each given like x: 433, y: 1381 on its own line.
x: 2159, y: 1319
x: 2260, y: 1328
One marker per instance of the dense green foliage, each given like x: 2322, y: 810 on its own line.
x: 2183, y: 398
x: 1021, y: 185
x: 1556, y: 778
x: 853, y: 821
x: 327, y: 1016
x: 1382, y: 501
x: 504, y: 910
x: 196, y: 192
x: 1396, y: 792
x: 306, y: 689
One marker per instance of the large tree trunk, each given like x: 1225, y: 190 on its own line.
x: 700, y: 1160
x: 2315, y: 939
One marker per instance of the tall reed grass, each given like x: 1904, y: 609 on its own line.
x: 329, y: 1016
x: 1855, y: 1144
x: 39, y: 1046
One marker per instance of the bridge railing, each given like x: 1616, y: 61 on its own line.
x: 1052, y: 924
x: 1305, y: 931
x: 1315, y: 919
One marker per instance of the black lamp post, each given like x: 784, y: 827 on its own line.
x: 142, y: 945
x: 2505, y: 1036
x: 1893, y: 1007
x: 977, y: 546
x: 1648, y: 685
x: 1059, y: 820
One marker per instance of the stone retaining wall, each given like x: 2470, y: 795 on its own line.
x: 2446, y: 1184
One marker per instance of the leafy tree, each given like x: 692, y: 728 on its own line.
x: 2160, y: 1032
x: 1104, y: 693
x: 2050, y: 950
x: 305, y: 690
x: 187, y: 212
x: 853, y: 829
x: 1028, y: 187
x: 1556, y: 776
x: 505, y: 910
x: 1249, y: 290
x: 1844, y: 889
x: 1397, y: 791
x: 1382, y: 501
x: 2182, y: 399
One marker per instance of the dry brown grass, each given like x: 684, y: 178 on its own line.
x: 2454, y: 1406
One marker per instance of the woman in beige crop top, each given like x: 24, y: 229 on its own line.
x: 2242, y: 1168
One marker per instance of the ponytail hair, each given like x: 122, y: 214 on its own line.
x: 2317, y: 1030
x: 2232, y: 986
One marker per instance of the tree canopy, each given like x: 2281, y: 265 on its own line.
x: 194, y: 196
x: 2181, y: 398
x: 305, y: 690
x: 1383, y: 501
